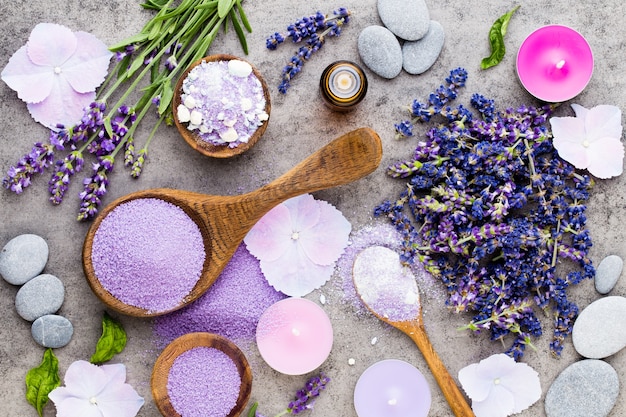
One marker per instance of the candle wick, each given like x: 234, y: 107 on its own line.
x: 295, y: 332
x: 560, y: 64
x: 392, y: 401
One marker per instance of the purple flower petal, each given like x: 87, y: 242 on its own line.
x: 271, y: 236
x: 33, y: 83
x: 63, y: 105
x: 322, y: 246
x: 86, y: 69
x: 51, y: 45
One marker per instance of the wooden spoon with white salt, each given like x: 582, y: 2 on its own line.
x: 389, y: 290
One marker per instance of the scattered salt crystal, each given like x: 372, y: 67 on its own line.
x: 351, y: 361
x: 239, y: 68
x: 195, y: 117
x: 322, y: 299
x: 183, y: 113
x: 374, y: 340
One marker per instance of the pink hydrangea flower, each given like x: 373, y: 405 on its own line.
x: 592, y: 140
x: 96, y: 391
x: 298, y: 243
x: 57, y: 72
x: 498, y: 386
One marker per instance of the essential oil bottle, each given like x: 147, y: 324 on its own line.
x: 343, y: 85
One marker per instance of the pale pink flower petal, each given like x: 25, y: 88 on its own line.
x: 603, y: 121
x: 573, y: 153
x: 74, y: 407
x: 606, y: 157
x: 498, y: 386
x: 271, y: 236
x: 32, y: 83
x: 51, y: 45
x: 322, y: 247
x: 298, y: 243
x: 63, y: 105
x: 88, y: 67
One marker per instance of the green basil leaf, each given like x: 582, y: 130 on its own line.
x: 496, y: 40
x: 41, y: 380
x: 112, y: 341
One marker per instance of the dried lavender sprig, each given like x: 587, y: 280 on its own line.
x: 305, y: 27
x: 304, y: 398
x: 313, y: 44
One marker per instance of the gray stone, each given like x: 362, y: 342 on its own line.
x: 380, y: 51
x: 407, y: 19
x: 23, y: 258
x: 600, y: 329
x: 586, y: 388
x: 607, y: 273
x: 41, y: 295
x: 52, y: 331
x: 418, y: 56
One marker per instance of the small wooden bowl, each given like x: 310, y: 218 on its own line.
x: 164, y: 362
x: 192, y: 138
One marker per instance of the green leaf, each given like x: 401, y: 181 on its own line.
x: 40, y: 381
x: 244, y: 19
x: 112, y: 341
x: 138, y: 38
x: 496, y: 40
x: 223, y: 7
x: 108, y: 127
x: 166, y: 96
x: 252, y: 412
x: 240, y: 34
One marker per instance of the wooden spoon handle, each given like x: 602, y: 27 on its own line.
x: 346, y: 159
x: 446, y: 383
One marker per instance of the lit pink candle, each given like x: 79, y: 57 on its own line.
x: 555, y: 63
x: 392, y: 388
x: 294, y: 336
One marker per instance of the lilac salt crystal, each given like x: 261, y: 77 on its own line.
x: 231, y: 307
x: 223, y: 102
x: 385, y: 285
x: 203, y: 382
x: 148, y: 253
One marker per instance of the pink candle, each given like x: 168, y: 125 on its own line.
x: 294, y: 336
x: 392, y: 388
x: 555, y: 63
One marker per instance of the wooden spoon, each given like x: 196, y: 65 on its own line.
x: 414, y: 328
x: 164, y: 362
x: 225, y: 220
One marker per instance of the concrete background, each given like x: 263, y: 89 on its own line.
x: 299, y: 125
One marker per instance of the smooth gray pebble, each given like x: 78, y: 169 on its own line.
x: 42, y: 295
x: 52, y: 331
x: 380, y: 51
x: 418, y: 56
x: 607, y: 273
x: 600, y: 329
x: 407, y: 19
x: 23, y: 258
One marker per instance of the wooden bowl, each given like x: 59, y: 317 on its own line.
x: 192, y: 137
x: 164, y: 362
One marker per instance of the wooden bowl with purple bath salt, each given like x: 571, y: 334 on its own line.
x: 201, y: 374
x: 154, y: 251
x: 221, y: 105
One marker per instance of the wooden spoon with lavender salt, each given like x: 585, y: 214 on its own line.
x: 389, y: 290
x: 225, y: 220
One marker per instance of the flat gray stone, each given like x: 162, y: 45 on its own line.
x: 418, y: 56
x: 380, y: 51
x: 600, y: 329
x: 586, y: 388
x: 42, y: 295
x: 607, y: 273
x: 407, y: 19
x: 23, y: 258
x: 52, y: 331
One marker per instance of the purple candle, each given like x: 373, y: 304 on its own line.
x: 555, y: 63
x: 392, y: 388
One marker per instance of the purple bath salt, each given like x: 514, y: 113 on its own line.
x: 385, y: 285
x: 203, y: 382
x: 231, y: 307
x: 148, y: 253
x: 223, y: 102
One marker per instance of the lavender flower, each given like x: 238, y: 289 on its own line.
x: 36, y: 161
x: 307, y: 28
x: 489, y: 208
x: 304, y: 398
x: 95, y: 187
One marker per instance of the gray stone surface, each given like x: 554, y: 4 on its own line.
x: 300, y: 123
x: 607, y: 273
x: 407, y: 19
x: 23, y: 258
x: 600, y: 329
x: 418, y: 56
x: 52, y: 331
x: 42, y: 295
x: 380, y: 51
x: 586, y: 388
